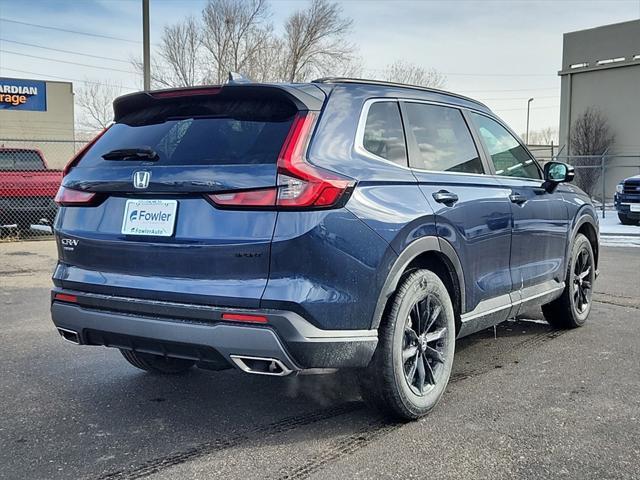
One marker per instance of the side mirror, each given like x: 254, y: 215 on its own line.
x: 555, y: 173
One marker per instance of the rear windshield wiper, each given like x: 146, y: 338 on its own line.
x: 125, y: 153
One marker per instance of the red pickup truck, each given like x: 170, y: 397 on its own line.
x: 27, y: 188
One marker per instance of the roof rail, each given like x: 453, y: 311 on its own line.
x: 393, y: 84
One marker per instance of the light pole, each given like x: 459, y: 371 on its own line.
x: 146, y: 52
x: 528, y: 109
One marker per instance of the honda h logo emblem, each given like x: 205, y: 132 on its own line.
x: 141, y: 179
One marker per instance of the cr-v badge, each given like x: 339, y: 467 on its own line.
x: 141, y: 179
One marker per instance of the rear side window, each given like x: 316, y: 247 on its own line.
x: 444, y: 142
x: 508, y: 156
x: 229, y: 133
x: 383, y: 133
x: 20, y: 160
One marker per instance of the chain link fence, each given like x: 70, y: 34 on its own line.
x: 598, y: 175
x: 30, y: 174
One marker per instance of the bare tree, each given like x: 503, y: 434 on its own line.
x: 412, y: 74
x: 590, y: 135
x: 96, y: 104
x: 315, y: 40
x: 180, y: 49
x: 545, y: 136
x: 236, y: 35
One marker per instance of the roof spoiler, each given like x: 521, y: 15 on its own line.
x: 303, y: 97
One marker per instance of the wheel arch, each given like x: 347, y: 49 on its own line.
x: 587, y: 226
x: 432, y: 253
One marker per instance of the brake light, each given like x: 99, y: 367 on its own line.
x: 68, y: 197
x: 76, y: 158
x: 299, y: 184
x: 186, y: 92
x: 247, y: 318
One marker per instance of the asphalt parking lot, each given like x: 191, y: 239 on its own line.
x: 532, y: 402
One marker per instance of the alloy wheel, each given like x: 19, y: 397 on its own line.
x: 582, y: 281
x: 424, y: 345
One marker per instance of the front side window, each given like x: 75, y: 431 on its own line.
x: 383, y: 133
x: 507, y: 154
x: 443, y: 139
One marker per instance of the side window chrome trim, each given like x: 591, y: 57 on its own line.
x: 362, y: 123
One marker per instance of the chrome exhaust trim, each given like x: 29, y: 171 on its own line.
x: 261, y: 365
x: 69, y: 335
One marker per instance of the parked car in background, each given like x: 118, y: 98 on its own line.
x: 27, y: 188
x: 627, y: 200
x: 342, y: 223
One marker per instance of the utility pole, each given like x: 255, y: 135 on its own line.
x: 146, y: 52
x: 528, y: 109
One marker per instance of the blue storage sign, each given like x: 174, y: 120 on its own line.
x: 18, y: 94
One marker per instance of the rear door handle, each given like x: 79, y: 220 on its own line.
x: 517, y: 198
x: 445, y: 197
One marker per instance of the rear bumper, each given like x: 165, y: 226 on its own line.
x: 197, y: 332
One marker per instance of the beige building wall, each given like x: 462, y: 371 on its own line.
x: 601, y: 69
x: 52, y: 131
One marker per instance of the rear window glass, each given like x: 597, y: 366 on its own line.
x: 20, y: 160
x: 224, y: 133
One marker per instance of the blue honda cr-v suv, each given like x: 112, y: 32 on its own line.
x: 336, y: 224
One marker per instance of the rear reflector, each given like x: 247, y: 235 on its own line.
x: 238, y: 317
x: 67, y: 197
x: 64, y: 297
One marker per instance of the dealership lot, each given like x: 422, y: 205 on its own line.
x: 531, y: 401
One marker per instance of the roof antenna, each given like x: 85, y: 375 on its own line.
x: 237, y: 78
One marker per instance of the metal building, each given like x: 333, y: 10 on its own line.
x: 601, y: 69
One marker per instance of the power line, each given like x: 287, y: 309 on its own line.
x: 470, y: 74
x: 524, y: 108
x: 65, y: 51
x: 509, y: 90
x: 500, y: 99
x: 65, y: 61
x: 126, y: 87
x: 98, y: 35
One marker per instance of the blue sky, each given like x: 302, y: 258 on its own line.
x: 501, y: 52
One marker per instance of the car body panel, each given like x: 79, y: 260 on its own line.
x: 321, y: 278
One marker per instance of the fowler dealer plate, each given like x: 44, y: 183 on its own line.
x: 155, y: 218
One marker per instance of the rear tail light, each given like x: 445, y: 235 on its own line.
x: 300, y: 185
x: 67, y: 197
x: 76, y: 158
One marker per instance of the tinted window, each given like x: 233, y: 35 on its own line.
x: 443, y: 139
x: 237, y: 133
x: 20, y: 160
x: 507, y: 154
x: 383, y: 134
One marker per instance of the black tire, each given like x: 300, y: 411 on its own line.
x: 572, y: 308
x: 157, y: 363
x: 625, y: 220
x: 392, y: 381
